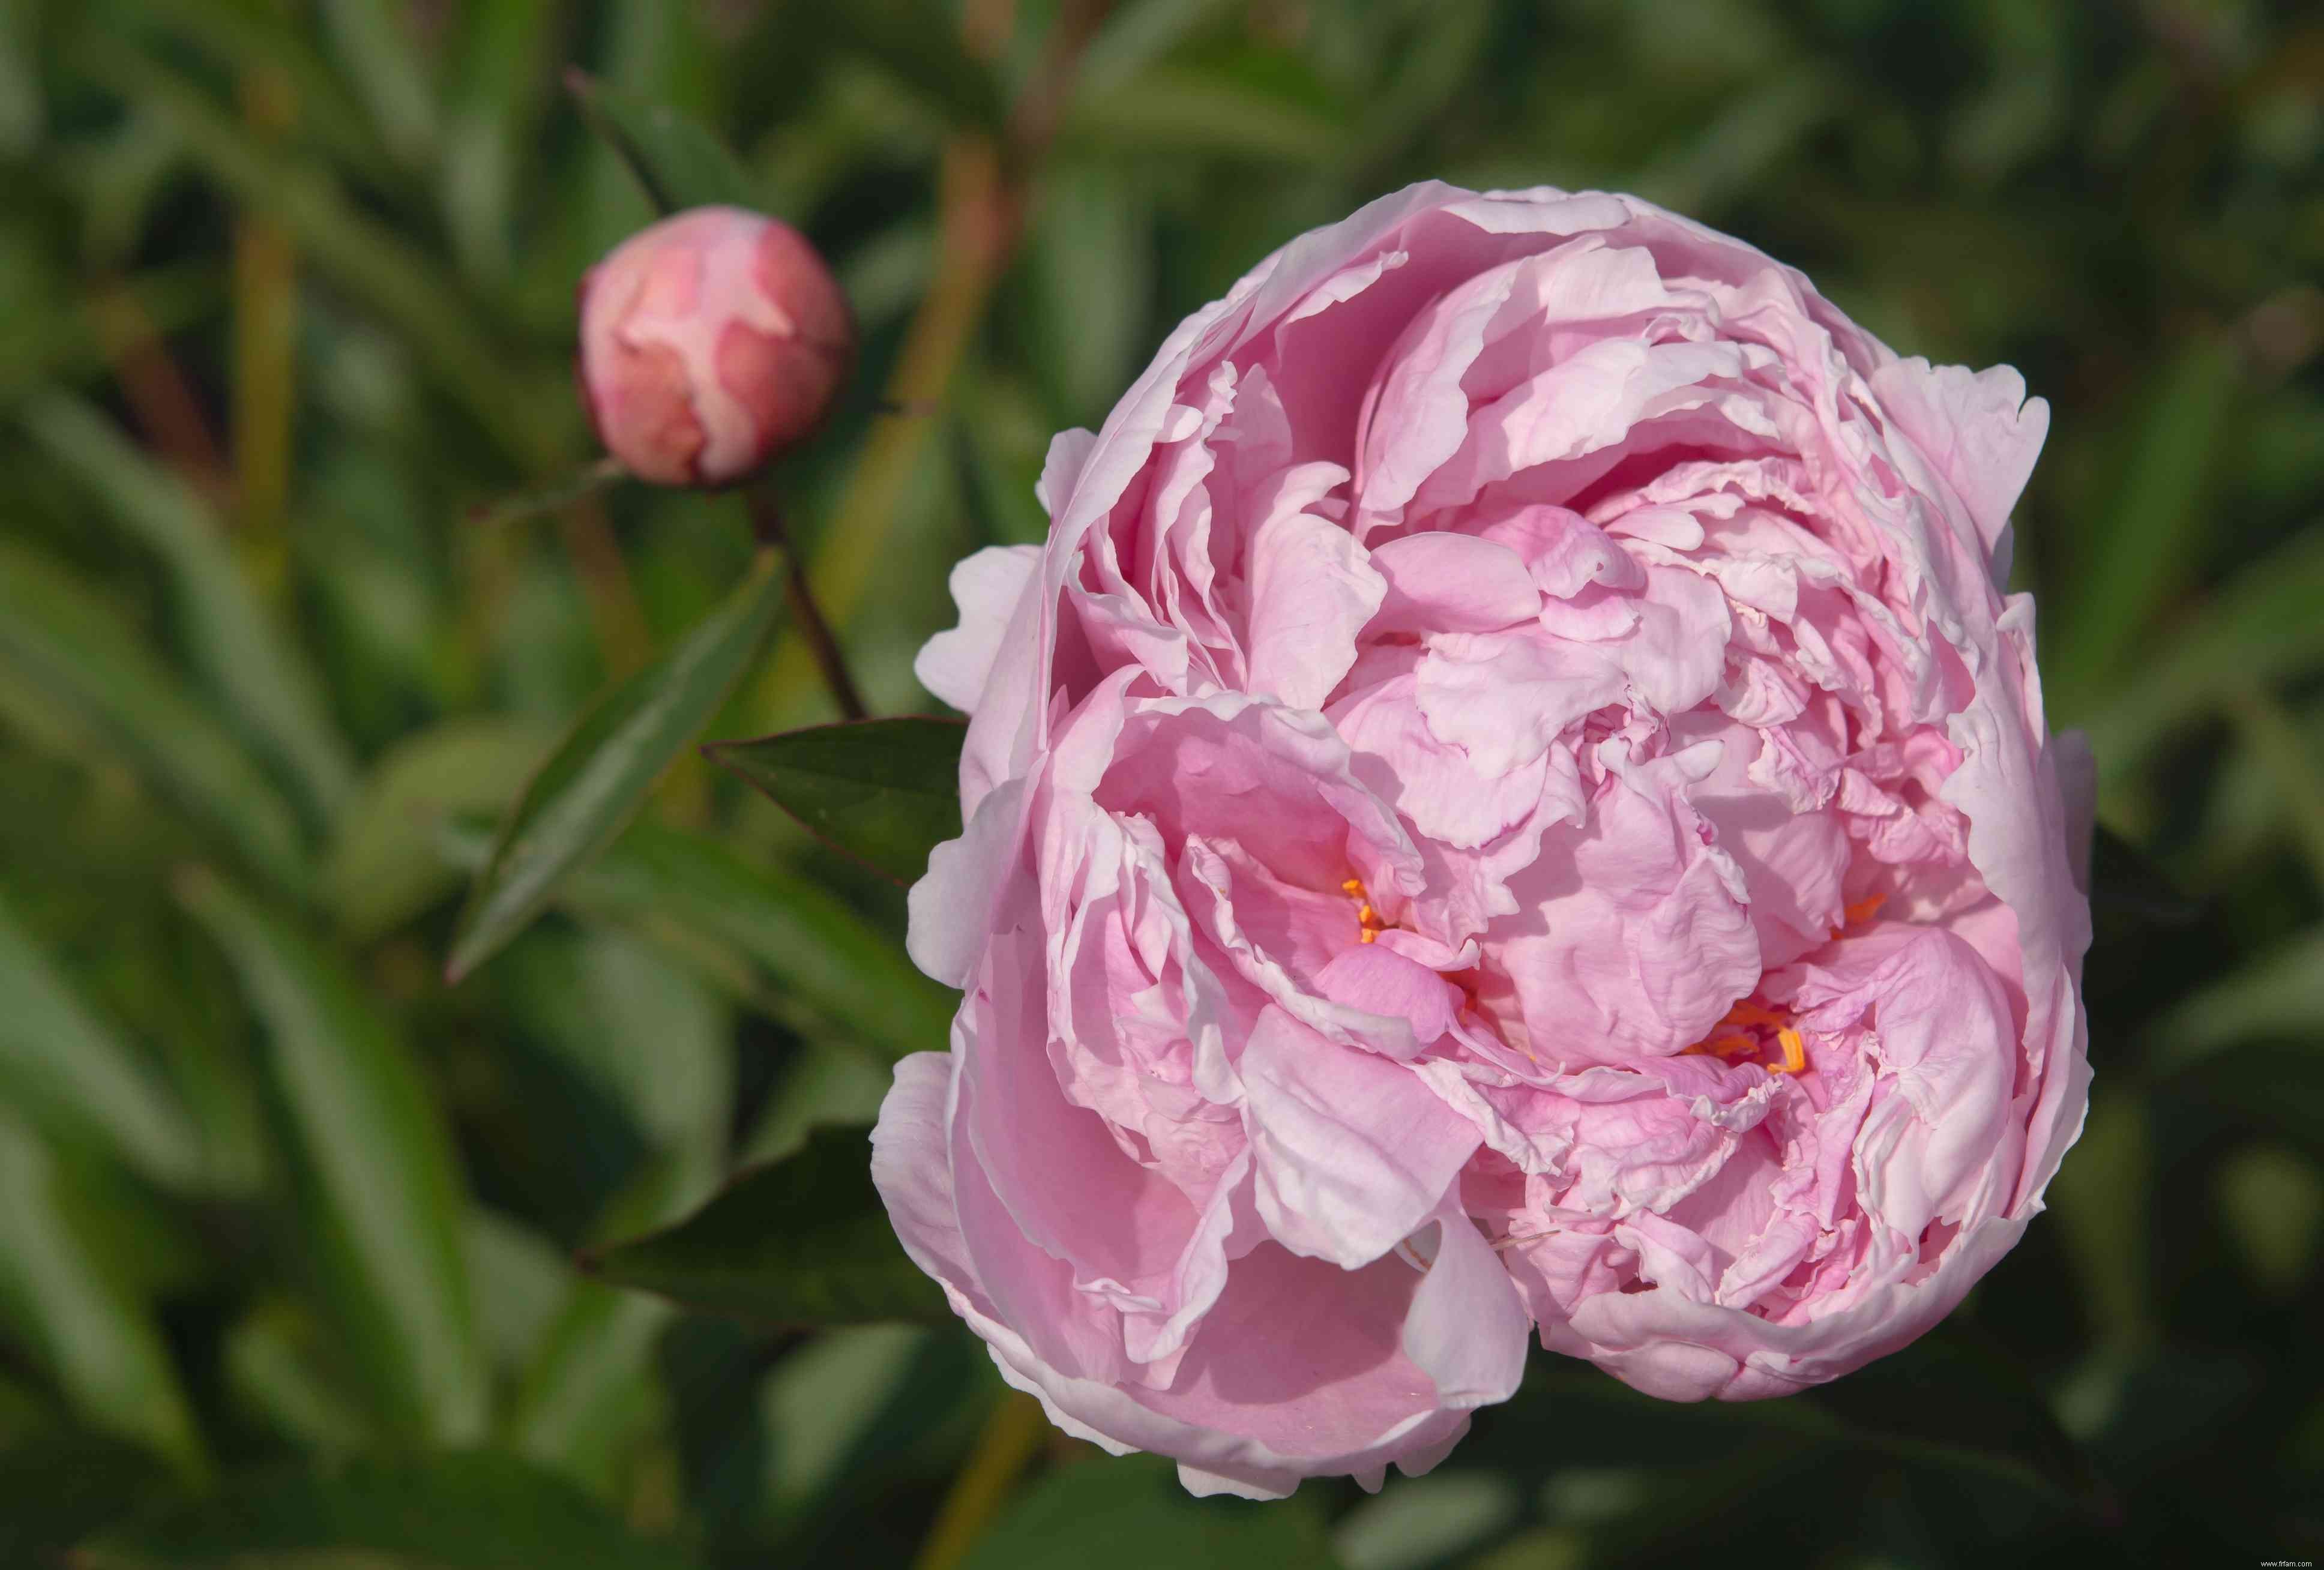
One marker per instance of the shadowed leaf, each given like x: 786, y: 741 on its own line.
x: 677, y: 160
x: 802, y: 1241
x: 885, y: 791
x: 475, y: 1511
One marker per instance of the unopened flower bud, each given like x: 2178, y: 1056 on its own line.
x: 710, y: 343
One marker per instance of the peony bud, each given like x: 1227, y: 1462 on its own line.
x: 710, y: 342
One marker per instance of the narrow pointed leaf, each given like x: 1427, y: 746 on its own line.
x: 61, y: 642
x: 65, y: 1070
x: 378, y: 1192
x: 680, y: 163
x: 383, y: 870
x: 2259, y: 627
x: 920, y: 45
x: 383, y: 63
x: 473, y: 1510
x: 551, y: 497
x: 97, y: 1341
x: 372, y: 261
x: 802, y: 1241
x: 263, y: 678
x: 886, y: 791
x: 603, y: 768
x: 775, y: 938
x: 591, y: 1379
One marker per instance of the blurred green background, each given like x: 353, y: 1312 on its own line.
x: 286, y: 297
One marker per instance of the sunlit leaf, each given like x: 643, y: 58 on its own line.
x: 601, y: 772
x: 378, y: 1195
x: 802, y: 1241
x: 886, y: 791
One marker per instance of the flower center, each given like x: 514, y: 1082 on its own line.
x: 1367, y: 921
x: 1752, y: 1030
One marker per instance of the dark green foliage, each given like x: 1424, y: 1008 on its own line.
x: 286, y: 1216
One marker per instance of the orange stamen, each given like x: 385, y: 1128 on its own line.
x: 1740, y: 1043
x: 1795, y: 1051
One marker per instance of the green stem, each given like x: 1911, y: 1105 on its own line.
x: 1010, y: 1437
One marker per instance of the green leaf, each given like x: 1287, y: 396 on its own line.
x: 918, y: 42
x: 2142, y: 538
x: 67, y: 1070
x: 372, y: 261
x: 600, y: 772
x: 649, y: 1036
x: 2261, y: 626
x: 592, y: 1386
x: 2280, y: 993
x: 677, y: 159
x: 1179, y: 110
x: 99, y: 1344
x: 382, y: 869
x: 886, y: 791
x: 802, y: 1241
x: 2128, y: 889
x: 58, y: 1484
x: 737, y: 918
x: 257, y: 672
x: 1131, y: 1514
x: 492, y: 124
x: 72, y: 649
x: 822, y: 1084
x: 381, y: 60
x: 379, y: 1197
x: 473, y: 1510
x: 279, y: 1368
x: 1089, y: 264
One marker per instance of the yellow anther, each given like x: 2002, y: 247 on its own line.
x: 1372, y: 935
x: 1795, y: 1051
x: 1747, y: 1013
x: 1858, y: 914
x: 1364, y: 914
x: 1352, y: 886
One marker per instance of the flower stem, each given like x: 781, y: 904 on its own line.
x: 806, y: 617
x: 1007, y: 1443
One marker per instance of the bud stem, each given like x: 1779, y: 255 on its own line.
x: 767, y: 525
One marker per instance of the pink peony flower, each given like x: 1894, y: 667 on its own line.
x: 710, y: 342
x: 1513, y: 800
